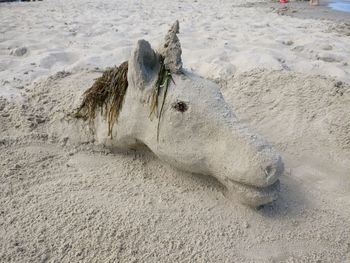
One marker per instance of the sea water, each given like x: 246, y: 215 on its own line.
x: 340, y: 5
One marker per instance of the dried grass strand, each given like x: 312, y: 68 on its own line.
x: 163, y: 82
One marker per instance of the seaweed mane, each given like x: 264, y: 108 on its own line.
x: 108, y: 92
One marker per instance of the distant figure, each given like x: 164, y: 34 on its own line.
x: 314, y: 2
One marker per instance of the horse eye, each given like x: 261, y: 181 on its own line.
x: 180, y: 106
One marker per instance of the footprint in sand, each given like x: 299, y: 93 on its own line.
x: 54, y: 58
x: 19, y: 52
x: 328, y: 57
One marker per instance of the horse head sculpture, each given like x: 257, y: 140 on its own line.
x: 183, y: 119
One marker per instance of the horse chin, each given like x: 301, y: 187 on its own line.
x: 251, y: 195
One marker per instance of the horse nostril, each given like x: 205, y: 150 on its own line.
x: 270, y: 172
x: 268, y: 169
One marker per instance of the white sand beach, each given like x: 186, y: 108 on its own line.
x: 285, y: 75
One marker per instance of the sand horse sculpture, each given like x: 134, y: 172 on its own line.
x: 183, y: 119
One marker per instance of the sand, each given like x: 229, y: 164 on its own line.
x: 65, y: 199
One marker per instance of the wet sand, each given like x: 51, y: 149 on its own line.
x: 305, y: 11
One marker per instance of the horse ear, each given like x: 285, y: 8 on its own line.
x: 143, y: 65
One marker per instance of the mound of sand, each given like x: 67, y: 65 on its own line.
x: 299, y: 111
x: 64, y: 199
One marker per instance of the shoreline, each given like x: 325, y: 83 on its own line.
x: 304, y: 11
